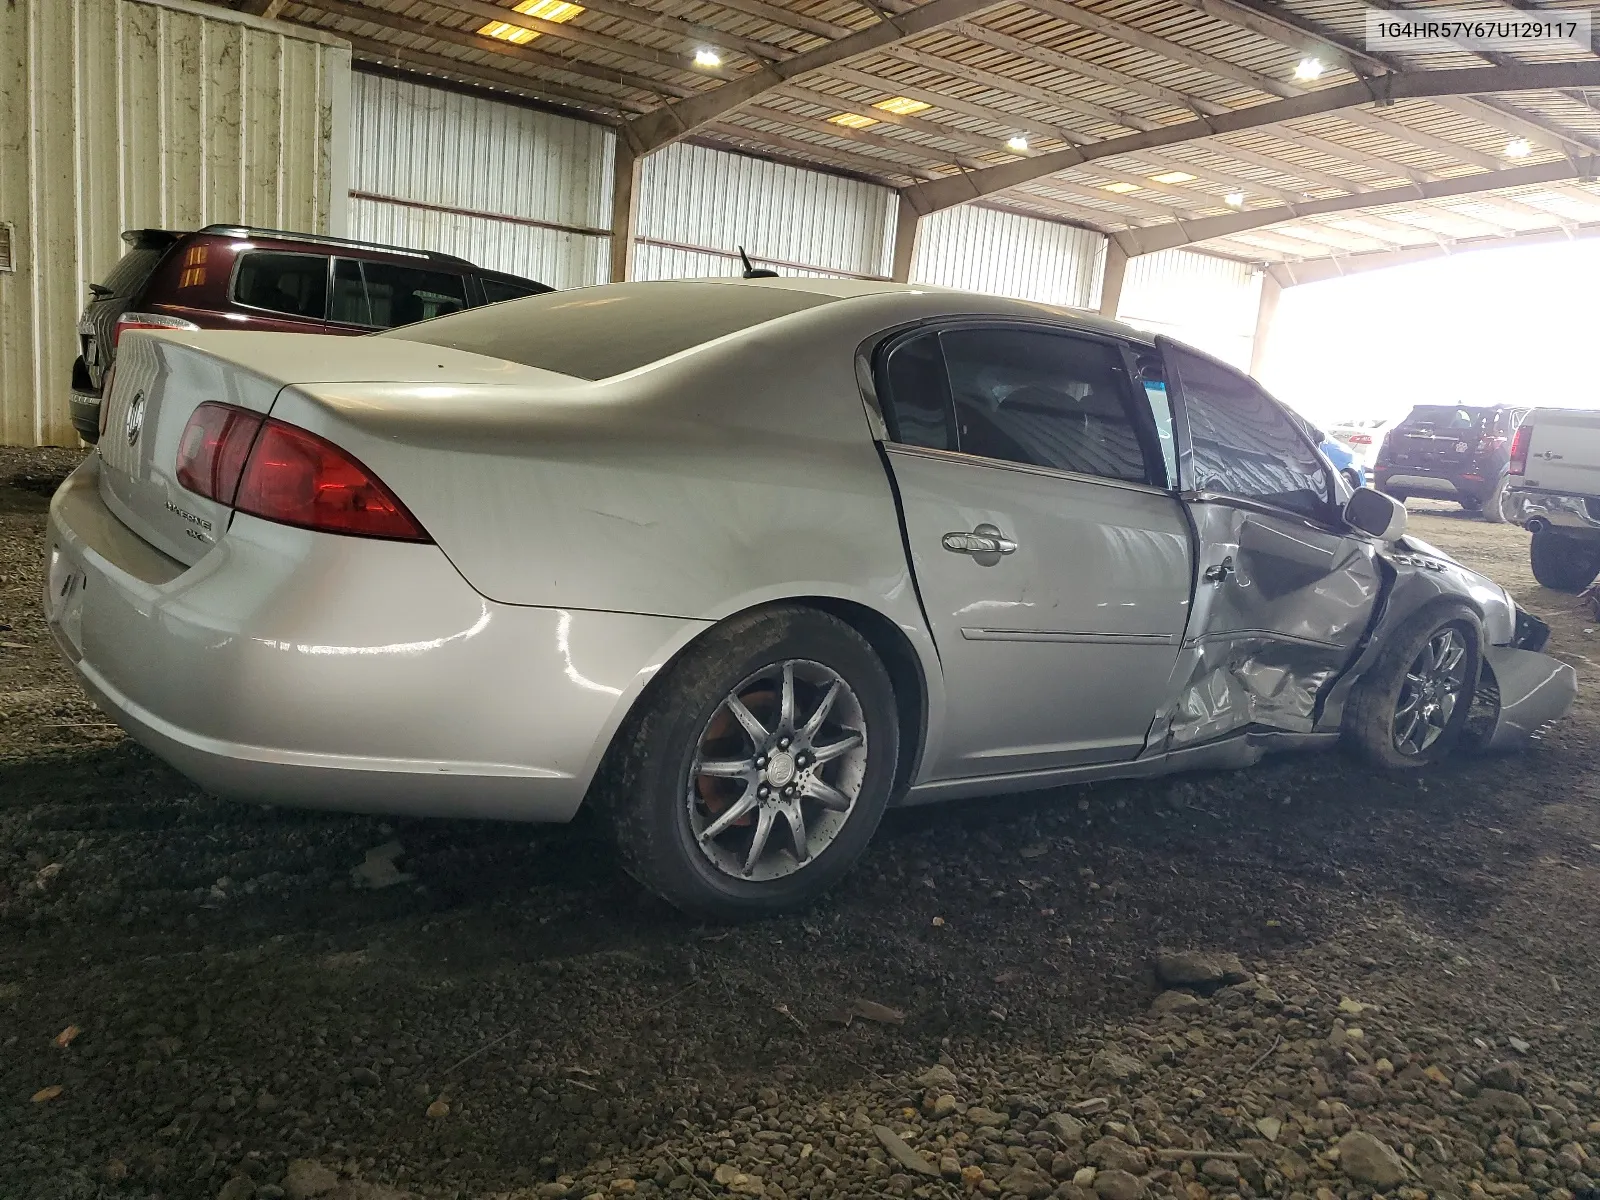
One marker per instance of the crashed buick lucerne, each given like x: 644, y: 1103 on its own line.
x: 739, y: 563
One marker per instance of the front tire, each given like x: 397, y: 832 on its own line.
x: 1563, y: 563
x: 1411, y: 708
x: 757, y: 767
x: 1352, y: 477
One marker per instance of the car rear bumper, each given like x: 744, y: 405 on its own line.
x: 1438, y: 487
x: 305, y: 669
x: 1552, y: 510
x: 84, y: 411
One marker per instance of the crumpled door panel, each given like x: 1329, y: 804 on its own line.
x: 1267, y: 638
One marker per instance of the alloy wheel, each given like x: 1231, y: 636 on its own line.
x: 777, y: 770
x: 1435, y: 685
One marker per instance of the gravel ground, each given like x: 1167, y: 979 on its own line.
x: 200, y: 999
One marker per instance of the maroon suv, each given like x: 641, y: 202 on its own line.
x: 232, y: 277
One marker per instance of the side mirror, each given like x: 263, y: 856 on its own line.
x: 1369, y: 511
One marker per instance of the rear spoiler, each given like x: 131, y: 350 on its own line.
x: 150, y: 239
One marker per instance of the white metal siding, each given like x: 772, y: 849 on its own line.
x: 124, y: 114
x: 439, y: 170
x: 1004, y: 254
x: 702, y: 201
x: 1201, y: 299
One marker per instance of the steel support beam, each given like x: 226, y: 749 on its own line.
x: 624, y: 196
x: 1266, y: 312
x: 906, y: 225
x: 1184, y: 233
x: 957, y: 189
x: 1111, y: 279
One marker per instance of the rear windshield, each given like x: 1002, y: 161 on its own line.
x: 132, y: 269
x: 1446, y: 418
x: 595, y: 333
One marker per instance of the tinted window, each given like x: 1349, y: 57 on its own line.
x: 296, y: 284
x: 399, y: 295
x: 1245, y: 443
x: 381, y: 295
x: 132, y: 269
x: 917, y: 407
x: 1044, y: 399
x: 496, y: 290
x: 592, y: 333
x: 1444, y: 419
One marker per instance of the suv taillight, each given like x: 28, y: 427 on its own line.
x: 1519, y: 449
x: 139, y: 320
x: 280, y: 472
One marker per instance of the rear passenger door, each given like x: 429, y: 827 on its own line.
x: 1051, y: 560
x: 1284, y: 592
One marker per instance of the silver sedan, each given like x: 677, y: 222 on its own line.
x: 741, y: 563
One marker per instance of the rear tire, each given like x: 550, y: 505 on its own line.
x: 690, y: 834
x: 1494, y: 505
x: 1563, y: 563
x: 1411, y: 708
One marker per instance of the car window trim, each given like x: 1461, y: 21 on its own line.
x: 238, y: 265
x: 1143, y: 423
x: 1189, y: 491
x: 1006, y: 464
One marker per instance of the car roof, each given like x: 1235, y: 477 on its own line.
x: 961, y: 301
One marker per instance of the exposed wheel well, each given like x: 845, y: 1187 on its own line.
x: 905, y: 671
x: 887, y: 640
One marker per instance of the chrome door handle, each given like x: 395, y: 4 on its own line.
x: 984, y: 540
x: 1220, y: 572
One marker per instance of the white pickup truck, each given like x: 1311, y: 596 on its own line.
x: 1555, y: 492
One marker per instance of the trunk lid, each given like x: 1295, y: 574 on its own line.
x: 161, y: 378
x: 1563, y: 451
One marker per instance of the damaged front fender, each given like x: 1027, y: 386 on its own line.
x: 1530, y: 691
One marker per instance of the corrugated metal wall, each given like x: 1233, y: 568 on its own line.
x: 507, y: 187
x: 123, y: 114
x: 697, y: 206
x: 985, y: 250
x: 1209, y: 302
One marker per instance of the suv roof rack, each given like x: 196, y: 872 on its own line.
x: 323, y: 239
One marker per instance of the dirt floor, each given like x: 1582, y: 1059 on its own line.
x: 198, y: 1000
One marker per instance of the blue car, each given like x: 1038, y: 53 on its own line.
x: 1343, y: 461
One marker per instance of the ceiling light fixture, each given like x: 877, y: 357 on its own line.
x: 1173, y: 177
x: 852, y: 120
x: 1309, y: 68
x: 1234, y: 199
x: 706, y: 57
x: 1519, y: 148
x: 902, y: 106
x: 1018, y: 143
x: 1122, y: 188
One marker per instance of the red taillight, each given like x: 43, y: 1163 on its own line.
x: 1360, y: 439
x: 213, y: 449
x: 139, y: 320
x: 1519, y: 449
x: 282, y: 473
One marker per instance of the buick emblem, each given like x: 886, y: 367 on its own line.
x: 135, y: 421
